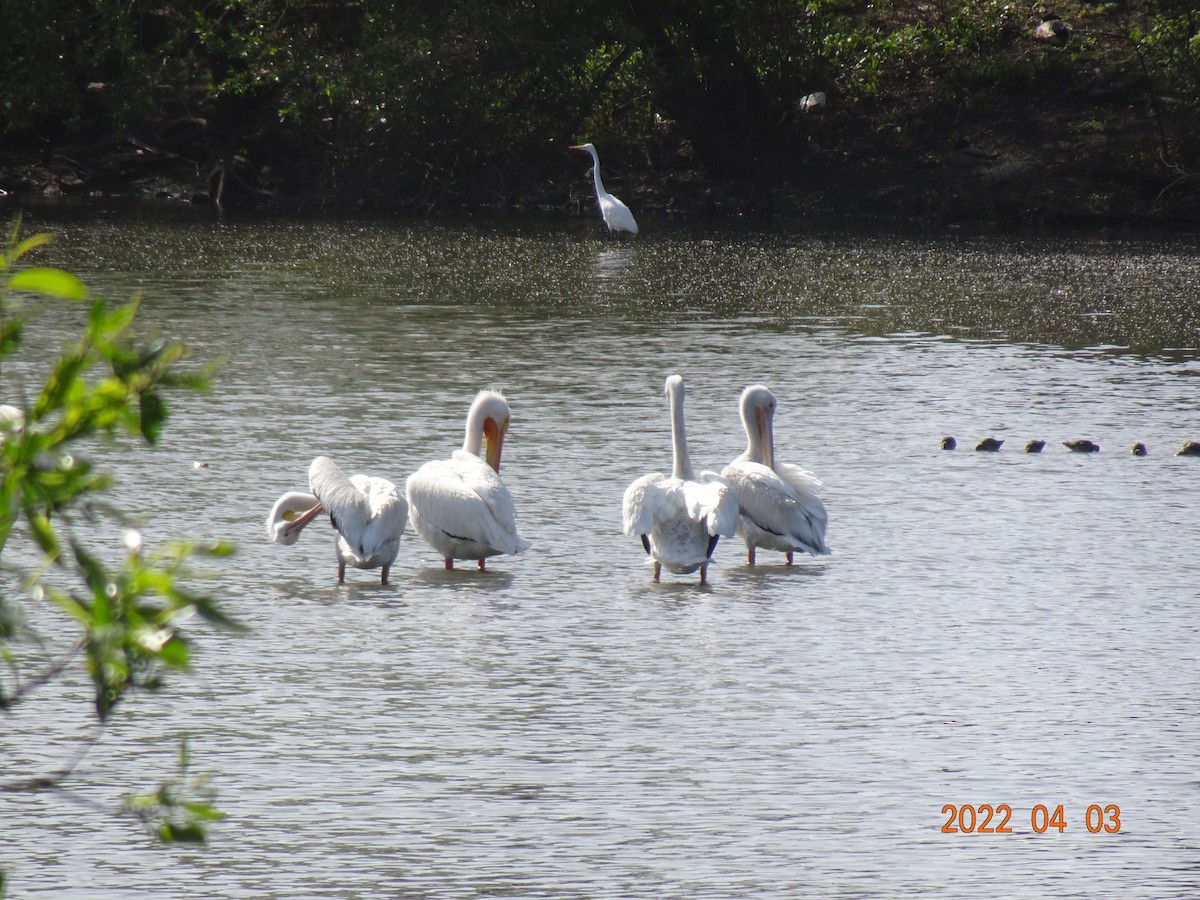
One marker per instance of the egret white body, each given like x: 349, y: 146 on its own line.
x: 459, y: 505
x: 779, y: 505
x: 680, y: 518
x: 368, y: 513
x: 616, y: 214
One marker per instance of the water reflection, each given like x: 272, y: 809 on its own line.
x: 611, y: 265
x: 1122, y: 294
x: 992, y: 627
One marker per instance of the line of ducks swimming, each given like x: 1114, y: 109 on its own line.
x: 462, y: 509
x: 1189, y: 448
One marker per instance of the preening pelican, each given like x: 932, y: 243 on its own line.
x: 779, y: 504
x: 368, y: 513
x: 615, y: 213
x: 459, y: 505
x: 680, y: 518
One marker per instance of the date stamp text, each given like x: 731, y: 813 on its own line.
x: 985, y: 818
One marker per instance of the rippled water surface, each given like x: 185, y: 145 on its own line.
x: 990, y: 629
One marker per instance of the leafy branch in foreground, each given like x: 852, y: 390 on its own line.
x: 130, y: 615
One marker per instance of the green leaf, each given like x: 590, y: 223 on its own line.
x: 153, y: 413
x: 30, y: 243
x: 190, y: 833
x: 214, y: 548
x: 93, y: 570
x: 50, y: 283
x: 174, y: 653
x: 10, y: 337
x: 43, y: 533
x: 71, y: 605
x: 204, y: 812
x: 211, y: 613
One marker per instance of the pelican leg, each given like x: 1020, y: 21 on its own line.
x: 449, y: 564
x: 789, y: 557
x: 750, y: 554
x: 341, y: 572
x: 704, y: 574
x: 383, y: 576
x: 481, y: 565
x: 657, y: 569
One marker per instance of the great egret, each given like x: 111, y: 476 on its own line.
x: 680, y: 518
x: 616, y: 214
x: 459, y: 505
x: 779, y: 504
x: 368, y: 513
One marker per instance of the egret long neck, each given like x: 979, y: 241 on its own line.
x: 683, y: 463
x: 596, y: 172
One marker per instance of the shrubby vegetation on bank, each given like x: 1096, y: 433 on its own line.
x: 381, y: 104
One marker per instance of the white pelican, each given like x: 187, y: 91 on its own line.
x: 680, y: 518
x: 459, y: 505
x: 368, y: 513
x: 780, y: 508
x: 615, y: 213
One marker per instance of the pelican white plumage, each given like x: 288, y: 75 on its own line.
x: 616, y: 214
x: 369, y: 514
x: 459, y: 505
x: 779, y: 504
x: 680, y: 518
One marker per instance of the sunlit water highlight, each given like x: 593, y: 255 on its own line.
x: 990, y: 629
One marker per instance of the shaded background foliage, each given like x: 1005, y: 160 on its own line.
x: 411, y: 104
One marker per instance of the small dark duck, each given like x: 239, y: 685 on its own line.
x: 1189, y: 448
x: 949, y: 443
x: 1082, y: 446
x: 1138, y: 449
x: 1035, y: 446
x: 990, y: 444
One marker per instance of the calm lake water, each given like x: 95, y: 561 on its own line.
x: 991, y: 628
